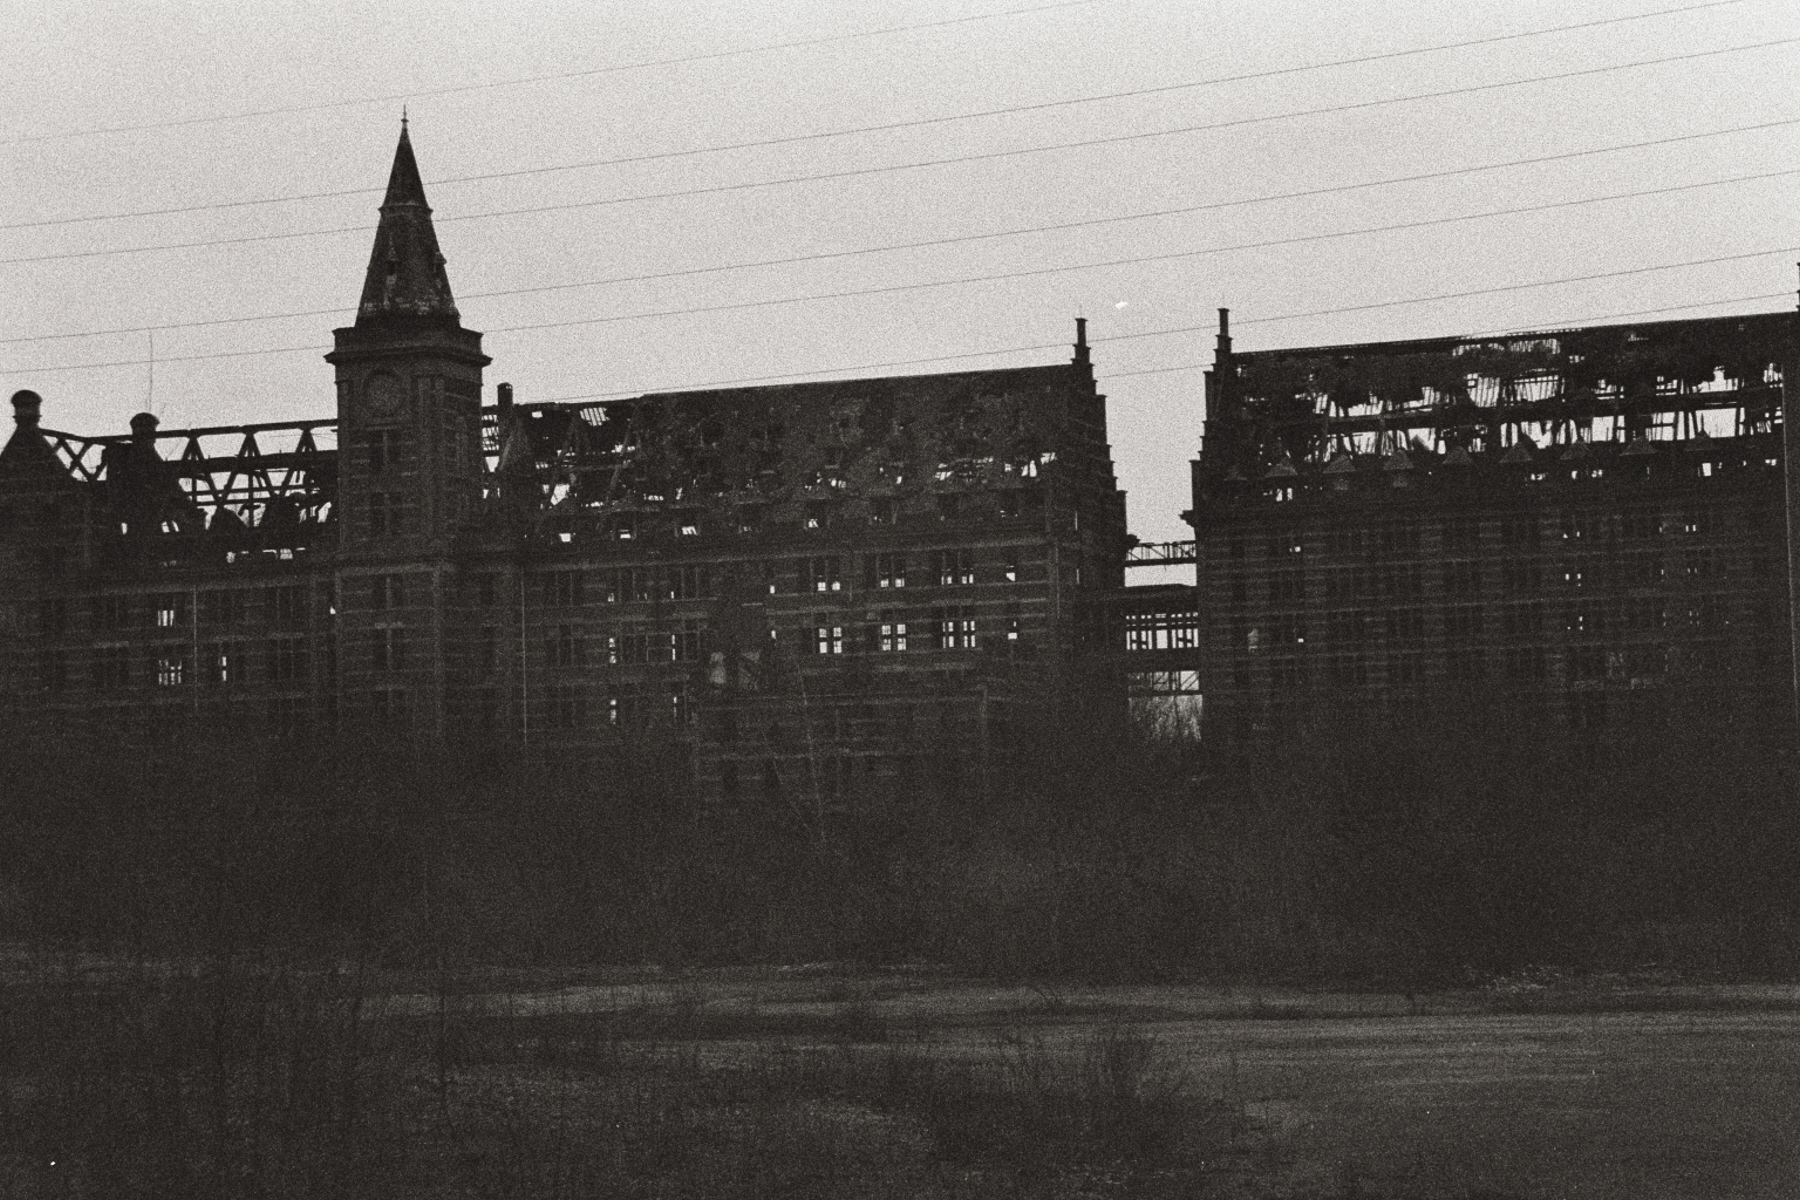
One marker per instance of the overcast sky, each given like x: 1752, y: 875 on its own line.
x: 115, y: 108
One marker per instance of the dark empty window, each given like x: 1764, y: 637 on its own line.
x: 688, y: 642
x: 287, y: 659
x: 955, y: 567
x: 384, y: 450
x: 823, y: 574
x: 890, y: 570
x: 563, y: 589
x: 387, y: 591
x: 388, y: 651
x: 385, y: 514
x: 565, y: 647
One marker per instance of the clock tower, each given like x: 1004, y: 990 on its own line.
x: 408, y: 388
x: 409, y: 465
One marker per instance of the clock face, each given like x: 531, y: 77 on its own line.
x: 383, y: 392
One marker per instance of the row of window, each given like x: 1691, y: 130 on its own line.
x: 826, y: 573
x: 896, y: 632
x: 1464, y: 535
x: 1467, y: 664
x: 221, y: 663
x: 278, y: 605
x: 568, y: 646
x: 575, y: 589
x: 1642, y: 469
x: 287, y: 659
x: 1464, y: 622
x: 1395, y: 580
x: 1162, y: 631
x: 570, y: 706
x: 825, y: 514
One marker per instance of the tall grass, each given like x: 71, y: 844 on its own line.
x: 248, y: 1077
x: 218, y: 1078
x: 198, y: 936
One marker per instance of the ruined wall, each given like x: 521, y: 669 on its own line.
x: 823, y: 586
x: 818, y: 594
x: 1588, y: 526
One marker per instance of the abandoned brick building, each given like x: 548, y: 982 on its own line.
x: 834, y: 591
x: 1587, y: 527
x: 819, y: 591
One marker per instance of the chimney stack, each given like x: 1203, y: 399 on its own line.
x: 27, y: 409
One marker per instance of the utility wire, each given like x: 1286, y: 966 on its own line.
x: 1100, y: 341
x: 976, y: 237
x: 587, y: 73
x: 916, y: 165
x: 1577, y: 322
x: 858, y: 130
x: 1117, y: 262
x: 1487, y: 291
x: 1510, y: 331
x: 1113, y: 139
x: 1518, y: 287
x: 1574, y: 322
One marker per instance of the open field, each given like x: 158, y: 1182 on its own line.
x: 235, y: 1079
x: 1604, y: 1090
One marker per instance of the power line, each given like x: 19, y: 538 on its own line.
x: 1240, y: 321
x: 918, y: 164
x: 864, y: 129
x: 591, y: 71
x: 1551, y: 326
x: 1116, y: 139
x: 314, y: 348
x: 1541, y: 327
x: 1162, y: 89
x: 1096, y: 341
x: 1118, y: 262
x: 1487, y: 291
x: 1088, y: 223
x: 1519, y: 287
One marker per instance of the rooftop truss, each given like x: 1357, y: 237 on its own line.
x: 780, y: 446
x: 243, y: 468
x: 1667, y: 381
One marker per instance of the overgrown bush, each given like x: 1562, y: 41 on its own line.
x: 1360, y: 852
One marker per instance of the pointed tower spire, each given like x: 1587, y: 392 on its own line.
x: 406, y: 270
